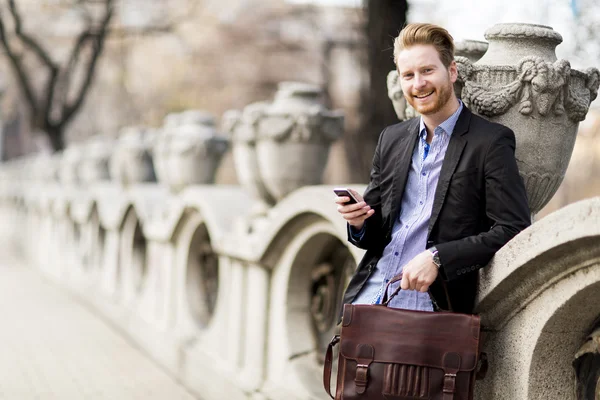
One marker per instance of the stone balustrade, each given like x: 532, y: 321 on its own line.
x: 243, y: 308
x: 236, y: 289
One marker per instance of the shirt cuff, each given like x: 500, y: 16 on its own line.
x: 357, y: 235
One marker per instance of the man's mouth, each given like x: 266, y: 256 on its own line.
x: 422, y: 96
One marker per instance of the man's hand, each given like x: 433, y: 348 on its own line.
x: 355, y: 214
x: 419, y: 273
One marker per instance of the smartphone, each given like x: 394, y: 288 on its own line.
x: 344, y: 192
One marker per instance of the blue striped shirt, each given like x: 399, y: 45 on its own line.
x: 409, y: 234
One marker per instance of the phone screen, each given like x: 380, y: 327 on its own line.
x: 345, y: 193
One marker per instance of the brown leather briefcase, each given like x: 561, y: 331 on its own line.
x: 388, y: 353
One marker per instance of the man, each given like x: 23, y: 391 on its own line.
x: 444, y: 193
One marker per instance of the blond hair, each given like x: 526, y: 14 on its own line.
x: 427, y: 34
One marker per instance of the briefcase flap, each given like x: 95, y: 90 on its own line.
x: 410, y: 337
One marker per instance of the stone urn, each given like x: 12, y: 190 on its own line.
x: 520, y: 83
x: 194, y: 150
x: 294, y: 138
x: 132, y: 162
x: 46, y: 167
x: 70, y: 164
x: 243, y: 130
x: 160, y: 150
x: 470, y: 49
x: 397, y: 97
x: 94, y: 166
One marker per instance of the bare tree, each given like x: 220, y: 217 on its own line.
x: 384, y: 20
x: 54, y: 103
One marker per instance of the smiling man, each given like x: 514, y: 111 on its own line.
x: 444, y: 194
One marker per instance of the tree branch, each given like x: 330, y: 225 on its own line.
x: 28, y: 40
x: 97, y: 42
x: 70, y: 65
x: 17, y: 66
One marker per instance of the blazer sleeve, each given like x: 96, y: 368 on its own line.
x: 505, y: 205
x: 372, y: 234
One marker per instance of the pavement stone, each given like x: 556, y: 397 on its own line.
x: 53, y: 347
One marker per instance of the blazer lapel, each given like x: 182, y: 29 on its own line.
x: 403, y: 155
x: 455, y: 148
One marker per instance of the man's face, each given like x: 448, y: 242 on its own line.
x: 427, y: 85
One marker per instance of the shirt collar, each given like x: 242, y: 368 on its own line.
x: 446, y: 126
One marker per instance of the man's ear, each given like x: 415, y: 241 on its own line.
x: 453, y: 71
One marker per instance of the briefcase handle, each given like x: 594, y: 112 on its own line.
x: 328, y: 365
x: 385, y: 300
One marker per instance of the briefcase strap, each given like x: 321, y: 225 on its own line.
x: 328, y: 365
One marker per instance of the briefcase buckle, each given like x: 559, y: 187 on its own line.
x: 362, y: 378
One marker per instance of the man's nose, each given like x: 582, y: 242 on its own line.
x: 419, y: 81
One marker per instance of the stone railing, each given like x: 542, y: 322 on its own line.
x: 236, y: 290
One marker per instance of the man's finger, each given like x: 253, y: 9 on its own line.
x: 356, y: 214
x: 404, y: 283
x: 412, y: 285
x: 344, y: 208
x: 342, y: 200
x: 360, y: 220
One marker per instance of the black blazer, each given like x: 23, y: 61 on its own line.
x: 480, y: 203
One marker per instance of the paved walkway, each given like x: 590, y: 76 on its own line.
x: 52, y: 347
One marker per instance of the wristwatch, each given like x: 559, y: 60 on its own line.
x: 435, y: 256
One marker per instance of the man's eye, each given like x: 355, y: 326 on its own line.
x: 407, y: 76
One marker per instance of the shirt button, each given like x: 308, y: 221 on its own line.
x: 396, y: 253
x: 406, y: 226
x: 420, y: 202
x: 424, y: 173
